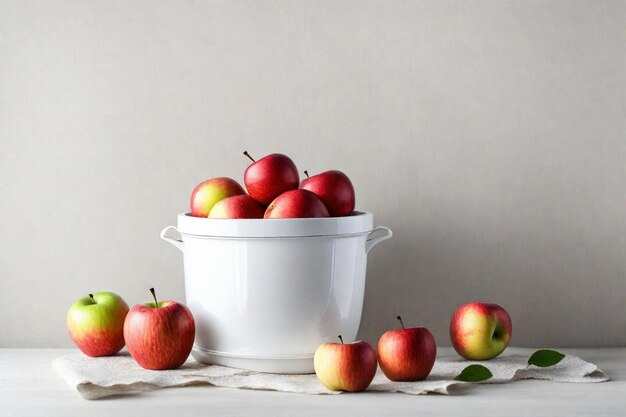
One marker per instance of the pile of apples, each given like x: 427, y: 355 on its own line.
x: 274, y: 192
x: 478, y: 331
x: 159, y: 335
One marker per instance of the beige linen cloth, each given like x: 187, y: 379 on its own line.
x: 95, y: 378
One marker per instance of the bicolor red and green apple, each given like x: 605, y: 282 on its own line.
x: 345, y: 367
x: 480, y: 331
x: 237, y: 207
x: 209, y: 192
x: 96, y: 323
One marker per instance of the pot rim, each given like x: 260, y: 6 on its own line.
x: 360, y: 222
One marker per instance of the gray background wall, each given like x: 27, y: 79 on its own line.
x: 490, y: 135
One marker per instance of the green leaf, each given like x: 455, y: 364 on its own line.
x: 474, y: 373
x: 545, y: 357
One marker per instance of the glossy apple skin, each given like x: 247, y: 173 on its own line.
x: 335, y: 190
x: 159, y: 338
x: 209, y: 192
x: 345, y: 367
x: 97, y: 329
x: 407, y: 354
x: 296, y: 204
x: 480, y: 331
x: 237, y: 207
x: 270, y: 176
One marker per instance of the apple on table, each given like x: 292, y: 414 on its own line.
x: 345, y: 367
x: 159, y: 335
x: 480, y: 331
x: 96, y: 323
x: 407, y: 354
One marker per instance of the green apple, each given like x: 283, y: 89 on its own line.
x: 96, y: 323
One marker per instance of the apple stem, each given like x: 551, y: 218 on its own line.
x: 340, y: 338
x: 248, y: 155
x: 91, y: 296
x: 156, y: 303
x: 306, y: 173
x: 400, y: 320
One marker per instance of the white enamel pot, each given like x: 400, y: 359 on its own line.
x: 265, y: 293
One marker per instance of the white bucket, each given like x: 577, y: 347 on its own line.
x: 265, y: 293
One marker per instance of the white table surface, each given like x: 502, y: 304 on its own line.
x: 30, y: 387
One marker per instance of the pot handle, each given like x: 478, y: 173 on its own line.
x: 373, y: 241
x: 176, y: 242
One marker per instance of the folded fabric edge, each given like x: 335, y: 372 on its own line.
x: 590, y: 374
x: 450, y: 387
x: 91, y: 391
x: 598, y: 375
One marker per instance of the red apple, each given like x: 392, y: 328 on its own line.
x: 159, y: 335
x: 270, y: 176
x: 345, y: 367
x: 480, y: 331
x: 209, y: 192
x: 295, y: 204
x: 237, y: 207
x: 96, y: 323
x: 335, y: 190
x: 407, y: 354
